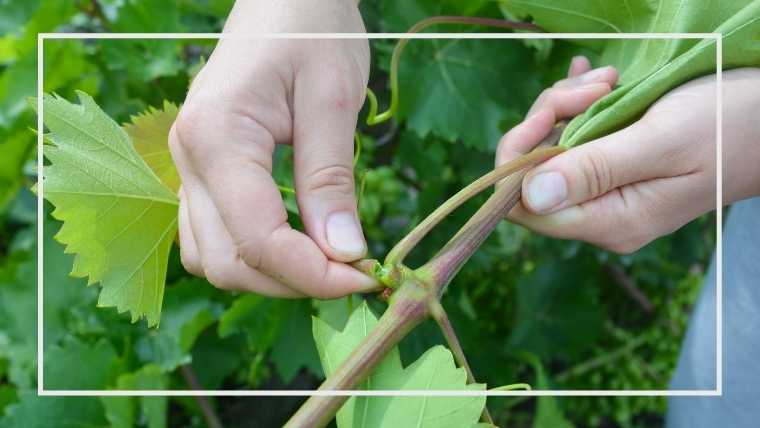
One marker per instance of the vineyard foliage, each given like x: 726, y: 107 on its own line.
x: 527, y: 308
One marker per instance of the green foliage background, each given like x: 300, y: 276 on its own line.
x: 527, y: 308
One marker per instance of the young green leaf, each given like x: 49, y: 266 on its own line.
x: 150, y: 135
x: 648, y: 68
x: 434, y: 370
x: 118, y: 217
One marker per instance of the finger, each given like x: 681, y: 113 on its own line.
x: 188, y: 248
x: 569, y: 101
x: 215, y: 256
x: 222, y: 265
x: 588, y: 171
x: 239, y: 184
x: 630, y: 217
x: 324, y: 125
x: 578, y: 65
x: 554, y: 103
x: 522, y: 138
x: 607, y: 74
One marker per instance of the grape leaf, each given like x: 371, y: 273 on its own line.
x: 188, y: 310
x: 121, y: 411
x: 277, y: 325
x: 294, y: 347
x: 554, y: 319
x: 15, y: 149
x: 145, y: 59
x: 649, y: 68
x: 63, y: 365
x: 18, y: 317
x: 434, y: 370
x: 33, y: 411
x: 471, y: 90
x: 118, y: 217
x: 150, y: 132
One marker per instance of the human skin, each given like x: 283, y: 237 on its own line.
x: 628, y: 188
x: 250, y: 96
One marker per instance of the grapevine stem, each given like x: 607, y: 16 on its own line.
x: 405, y: 245
x: 408, y: 307
x: 458, y: 250
x: 440, y: 317
x: 212, y: 420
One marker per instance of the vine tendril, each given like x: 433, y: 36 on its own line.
x: 373, y: 118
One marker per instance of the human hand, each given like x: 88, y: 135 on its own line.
x: 626, y: 189
x: 251, y: 95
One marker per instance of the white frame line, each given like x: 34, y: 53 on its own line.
x: 718, y: 391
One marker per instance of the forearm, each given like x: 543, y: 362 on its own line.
x: 301, y: 16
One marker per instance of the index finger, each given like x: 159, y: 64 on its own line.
x: 237, y: 177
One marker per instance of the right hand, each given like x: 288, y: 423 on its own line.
x: 251, y: 95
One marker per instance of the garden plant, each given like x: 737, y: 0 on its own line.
x: 113, y: 189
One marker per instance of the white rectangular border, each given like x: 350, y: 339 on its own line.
x: 716, y: 37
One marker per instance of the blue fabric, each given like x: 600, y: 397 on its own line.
x: 739, y: 406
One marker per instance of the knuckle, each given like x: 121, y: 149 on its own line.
x: 331, y: 180
x: 189, y: 128
x: 218, y: 274
x: 596, y: 171
x: 251, y: 252
x: 190, y: 263
x: 344, y: 91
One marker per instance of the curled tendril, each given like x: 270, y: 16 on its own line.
x: 513, y: 387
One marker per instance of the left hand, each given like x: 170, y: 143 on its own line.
x: 626, y: 189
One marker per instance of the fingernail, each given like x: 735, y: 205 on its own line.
x: 344, y: 234
x: 546, y: 190
x: 593, y: 75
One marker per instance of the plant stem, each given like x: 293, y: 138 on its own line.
x: 440, y: 317
x: 404, y: 246
x: 212, y: 420
x: 458, y: 250
x: 408, y: 307
x: 417, y: 294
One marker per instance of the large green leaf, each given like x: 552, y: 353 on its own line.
x: 63, y: 367
x: 277, y: 325
x: 33, y: 411
x: 118, y: 217
x: 18, y: 317
x: 649, y: 68
x: 122, y: 412
x: 188, y: 310
x: 145, y: 59
x: 471, y: 90
x: 434, y: 370
x: 554, y: 318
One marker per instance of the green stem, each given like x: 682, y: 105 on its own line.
x: 442, y: 268
x: 513, y: 387
x: 440, y: 317
x: 405, y: 245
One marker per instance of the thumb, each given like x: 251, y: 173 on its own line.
x: 323, y: 138
x: 593, y: 169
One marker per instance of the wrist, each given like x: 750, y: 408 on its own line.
x: 741, y: 134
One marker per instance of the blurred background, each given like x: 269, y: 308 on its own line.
x: 556, y: 314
